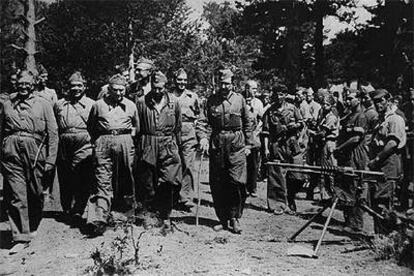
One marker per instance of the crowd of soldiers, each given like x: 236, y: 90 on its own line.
x: 134, y: 148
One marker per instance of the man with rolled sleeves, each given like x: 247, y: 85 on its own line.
x: 351, y: 152
x: 190, y: 111
x: 281, y: 123
x: 159, y: 164
x: 142, y: 86
x: 227, y: 114
x: 112, y: 124
x: 75, y: 170
x: 389, y: 140
x: 28, y: 133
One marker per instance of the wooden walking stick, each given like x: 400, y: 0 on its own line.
x: 198, y: 188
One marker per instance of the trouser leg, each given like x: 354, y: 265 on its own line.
x: 146, y: 182
x: 163, y: 200
x: 23, y: 196
x: 123, y: 179
x: 187, y: 185
x: 276, y: 188
x: 252, y: 170
x: 82, y: 191
x: 236, y: 186
x: 66, y: 183
x: 217, y: 178
x: 99, y: 204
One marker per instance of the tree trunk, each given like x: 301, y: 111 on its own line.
x: 293, y: 48
x: 30, y: 32
x: 131, y: 46
x: 319, y: 56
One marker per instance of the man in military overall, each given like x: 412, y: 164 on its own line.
x: 227, y: 114
x: 159, y: 165
x: 112, y: 124
x: 281, y: 123
x: 29, y: 136
x: 74, y: 165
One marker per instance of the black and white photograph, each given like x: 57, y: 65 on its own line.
x: 207, y: 137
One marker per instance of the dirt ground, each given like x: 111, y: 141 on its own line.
x: 261, y: 249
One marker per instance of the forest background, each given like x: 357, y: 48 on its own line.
x: 271, y: 41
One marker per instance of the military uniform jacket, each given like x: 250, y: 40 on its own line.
x: 72, y: 119
x: 190, y: 111
x: 32, y: 116
x: 106, y: 116
x: 276, y: 121
x: 229, y: 113
x: 157, y: 126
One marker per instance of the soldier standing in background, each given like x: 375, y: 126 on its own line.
x: 325, y: 137
x: 281, y: 123
x: 352, y: 152
x: 228, y: 116
x: 371, y: 114
x: 190, y: 111
x: 29, y: 135
x: 41, y: 89
x: 142, y: 86
x: 389, y: 139
x: 50, y: 96
x: 255, y: 115
x: 159, y: 139
x: 74, y: 165
x: 408, y: 161
x: 112, y: 124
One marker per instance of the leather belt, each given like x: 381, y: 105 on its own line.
x: 74, y: 130
x: 26, y: 134
x: 115, y: 132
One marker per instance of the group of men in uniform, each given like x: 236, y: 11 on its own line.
x: 369, y: 135
x: 135, y: 147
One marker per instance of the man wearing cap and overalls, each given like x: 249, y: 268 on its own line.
x: 159, y: 164
x: 142, y: 86
x: 190, y: 110
x: 75, y: 170
x: 352, y: 152
x: 227, y: 114
x: 112, y: 123
x: 29, y: 136
x: 389, y: 139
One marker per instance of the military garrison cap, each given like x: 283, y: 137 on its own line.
x: 145, y: 63
x: 158, y: 79
x: 25, y: 76
x: 225, y: 75
x: 76, y: 77
x: 180, y: 72
x: 252, y: 83
x: 118, y: 79
x: 378, y: 94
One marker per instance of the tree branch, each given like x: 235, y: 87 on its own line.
x: 39, y: 20
x: 23, y: 19
x: 18, y: 47
x: 25, y: 33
